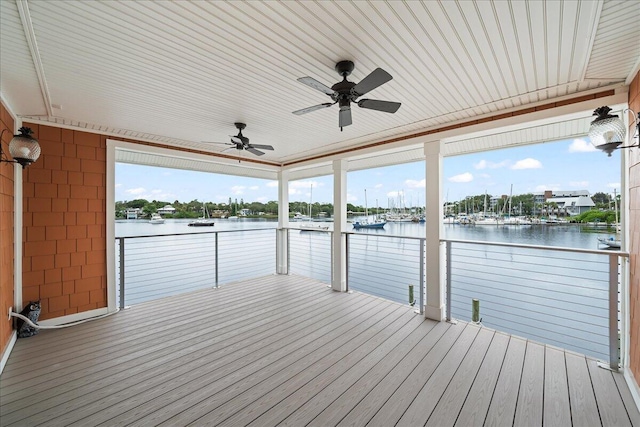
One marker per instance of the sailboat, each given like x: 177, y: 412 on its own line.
x: 376, y: 223
x: 203, y: 221
x: 310, y: 226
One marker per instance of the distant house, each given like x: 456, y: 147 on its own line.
x: 132, y: 213
x: 572, y: 205
x: 170, y: 210
x: 244, y: 212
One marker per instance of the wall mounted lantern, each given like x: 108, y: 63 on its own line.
x: 23, y: 148
x: 607, y: 132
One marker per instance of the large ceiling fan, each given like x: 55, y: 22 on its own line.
x: 241, y: 142
x: 346, y: 92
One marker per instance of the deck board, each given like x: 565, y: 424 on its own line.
x: 476, y: 404
x: 530, y: 396
x: 584, y: 411
x: 557, y: 410
x: 296, y: 353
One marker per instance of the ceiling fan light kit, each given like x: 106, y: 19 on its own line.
x: 345, y: 92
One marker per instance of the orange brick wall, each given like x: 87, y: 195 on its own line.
x: 6, y: 232
x: 634, y: 232
x: 64, y: 253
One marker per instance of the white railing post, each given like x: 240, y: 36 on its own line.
x: 216, y: 254
x: 448, y: 279
x: 421, y: 281
x: 614, y: 355
x: 121, y: 250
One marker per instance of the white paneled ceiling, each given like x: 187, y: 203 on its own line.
x: 179, y: 72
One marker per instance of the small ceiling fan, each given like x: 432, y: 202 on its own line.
x: 241, y: 142
x: 346, y: 92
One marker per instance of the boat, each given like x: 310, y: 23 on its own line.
x: 375, y: 224
x: 610, y: 242
x: 156, y: 219
x: 309, y: 225
x: 204, y: 221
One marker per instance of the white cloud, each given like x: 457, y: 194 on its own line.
x: 613, y: 185
x: 527, y: 163
x: 262, y: 199
x: 483, y: 164
x: 238, y: 189
x: 305, y: 184
x: 351, y: 198
x: 545, y: 187
x: 135, y: 191
x: 118, y: 185
x: 393, y: 194
x: 579, y: 184
x: 581, y: 146
x: 272, y: 184
x: 254, y: 187
x: 412, y: 183
x: 484, y: 175
x: 463, y: 177
x: 378, y: 186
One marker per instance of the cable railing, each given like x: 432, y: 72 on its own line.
x: 561, y: 296
x: 152, y: 267
x: 309, y: 253
x: 387, y: 266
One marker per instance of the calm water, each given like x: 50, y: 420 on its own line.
x: 570, y: 236
x: 549, y: 296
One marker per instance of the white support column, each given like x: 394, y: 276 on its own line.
x: 282, y: 244
x: 339, y: 252
x: 435, y: 304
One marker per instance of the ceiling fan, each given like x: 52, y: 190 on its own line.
x: 241, y: 142
x: 346, y: 92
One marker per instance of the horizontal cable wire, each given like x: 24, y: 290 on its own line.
x: 550, y: 296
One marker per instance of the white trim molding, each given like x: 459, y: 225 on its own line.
x: 8, y: 349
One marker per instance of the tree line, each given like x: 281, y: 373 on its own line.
x: 194, y: 208
x: 523, y: 204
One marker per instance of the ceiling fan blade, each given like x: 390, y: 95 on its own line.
x: 344, y: 118
x: 314, y: 108
x: 311, y: 82
x: 373, y: 104
x: 262, y: 147
x: 216, y: 142
x: 254, y: 151
x: 376, y: 78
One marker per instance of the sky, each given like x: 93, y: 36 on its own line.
x: 565, y: 165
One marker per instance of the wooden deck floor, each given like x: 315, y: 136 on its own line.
x: 286, y: 350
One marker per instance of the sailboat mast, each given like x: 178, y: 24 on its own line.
x: 366, y: 212
x: 310, y: 199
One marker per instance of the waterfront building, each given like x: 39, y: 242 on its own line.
x: 167, y: 210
